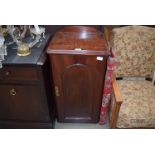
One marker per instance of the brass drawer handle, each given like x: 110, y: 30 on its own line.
x: 57, y: 91
x: 13, y: 92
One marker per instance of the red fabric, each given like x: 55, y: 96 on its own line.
x: 111, y: 64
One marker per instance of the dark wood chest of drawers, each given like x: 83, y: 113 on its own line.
x: 25, y: 90
x: 78, y: 57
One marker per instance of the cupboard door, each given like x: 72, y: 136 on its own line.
x: 78, y: 84
x: 22, y: 102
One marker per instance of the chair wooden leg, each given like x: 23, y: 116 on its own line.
x: 114, y: 115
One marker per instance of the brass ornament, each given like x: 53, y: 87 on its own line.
x: 23, y: 50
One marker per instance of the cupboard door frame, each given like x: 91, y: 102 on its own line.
x: 96, y: 68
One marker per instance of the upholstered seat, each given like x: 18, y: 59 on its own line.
x: 138, y: 108
x: 134, y: 101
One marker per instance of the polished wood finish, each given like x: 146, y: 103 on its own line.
x: 22, y: 102
x: 117, y: 103
x: 77, y: 74
x: 17, y: 73
x: 88, y: 41
x: 80, y: 82
x: 79, y: 29
x: 25, y: 100
x: 52, y: 29
x: 25, y: 91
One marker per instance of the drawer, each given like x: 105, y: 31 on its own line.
x: 17, y: 73
x: 23, y: 102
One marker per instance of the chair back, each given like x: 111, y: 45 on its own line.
x: 134, y: 47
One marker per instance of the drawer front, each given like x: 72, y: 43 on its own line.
x: 17, y: 73
x: 23, y: 103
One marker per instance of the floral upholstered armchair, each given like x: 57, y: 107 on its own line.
x: 133, y: 99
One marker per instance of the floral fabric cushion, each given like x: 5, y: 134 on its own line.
x: 134, y: 47
x: 138, y: 107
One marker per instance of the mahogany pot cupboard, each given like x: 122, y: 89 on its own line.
x: 78, y: 56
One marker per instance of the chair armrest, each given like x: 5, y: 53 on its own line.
x: 116, y: 91
x: 116, y: 104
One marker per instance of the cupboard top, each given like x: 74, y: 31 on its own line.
x: 78, y: 40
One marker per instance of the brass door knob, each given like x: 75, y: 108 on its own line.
x: 13, y: 92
